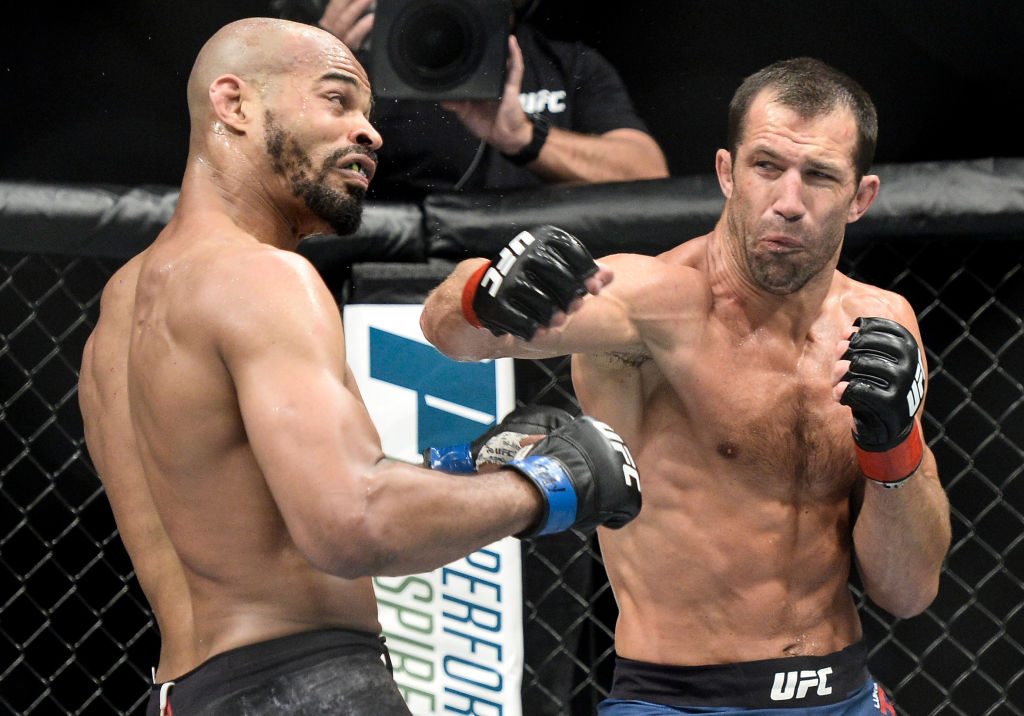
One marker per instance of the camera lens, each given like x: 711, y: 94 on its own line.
x: 436, y: 45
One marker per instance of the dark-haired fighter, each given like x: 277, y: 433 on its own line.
x: 771, y: 403
x: 246, y: 478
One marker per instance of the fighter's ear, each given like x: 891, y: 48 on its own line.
x: 227, y: 97
x: 867, y: 190
x: 723, y: 168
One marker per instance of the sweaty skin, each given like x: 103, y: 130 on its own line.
x: 246, y: 478
x: 718, y: 362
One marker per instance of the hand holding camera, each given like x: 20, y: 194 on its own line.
x: 350, y: 21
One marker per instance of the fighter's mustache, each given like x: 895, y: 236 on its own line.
x: 335, y: 158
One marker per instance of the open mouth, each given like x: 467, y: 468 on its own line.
x: 358, y: 168
x: 358, y: 164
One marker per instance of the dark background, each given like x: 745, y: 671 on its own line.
x: 95, y: 92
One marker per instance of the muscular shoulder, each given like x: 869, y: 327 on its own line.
x: 661, y: 298
x: 667, y: 286
x: 679, y: 266
x: 116, y: 304
x: 259, y: 269
x: 265, y: 292
x: 120, y: 287
x: 862, y: 299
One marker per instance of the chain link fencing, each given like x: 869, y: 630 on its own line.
x: 77, y: 636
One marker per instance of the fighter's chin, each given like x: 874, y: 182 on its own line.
x: 345, y: 223
x: 342, y: 212
x: 776, y: 278
x: 780, y: 289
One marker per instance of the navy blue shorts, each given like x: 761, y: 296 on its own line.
x: 334, y: 671
x: 837, y: 684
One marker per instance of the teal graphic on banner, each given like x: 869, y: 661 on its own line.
x: 455, y: 401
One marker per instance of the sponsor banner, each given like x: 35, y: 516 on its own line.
x: 455, y: 634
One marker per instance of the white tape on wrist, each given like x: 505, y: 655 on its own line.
x: 500, y: 449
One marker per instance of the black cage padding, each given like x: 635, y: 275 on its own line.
x: 984, y: 196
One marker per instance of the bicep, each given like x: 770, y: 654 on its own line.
x: 307, y: 429
x: 301, y: 418
x: 651, y: 303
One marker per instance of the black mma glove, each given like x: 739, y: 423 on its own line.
x: 501, y: 441
x: 539, y: 272
x: 886, y: 385
x: 586, y: 475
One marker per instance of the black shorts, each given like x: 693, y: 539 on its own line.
x: 793, y: 682
x: 335, y: 671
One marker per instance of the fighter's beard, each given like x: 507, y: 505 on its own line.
x: 779, y: 274
x: 343, y: 211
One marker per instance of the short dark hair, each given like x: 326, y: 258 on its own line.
x: 811, y: 88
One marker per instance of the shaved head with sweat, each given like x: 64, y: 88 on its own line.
x: 253, y: 65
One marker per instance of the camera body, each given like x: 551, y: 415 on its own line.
x: 439, y: 49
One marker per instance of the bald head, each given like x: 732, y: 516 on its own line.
x: 258, y: 51
x: 281, y: 110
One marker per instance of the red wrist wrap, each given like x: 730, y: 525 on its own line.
x: 469, y: 293
x: 893, y: 466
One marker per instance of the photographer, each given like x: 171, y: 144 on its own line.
x: 564, y: 116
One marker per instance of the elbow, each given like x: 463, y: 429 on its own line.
x: 455, y: 338
x: 427, y: 326
x: 431, y: 331
x: 907, y: 609
x: 909, y: 603
x: 346, y: 549
x: 656, y: 170
x: 432, y: 327
x: 651, y: 162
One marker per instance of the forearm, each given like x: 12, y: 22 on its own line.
x: 417, y: 520
x: 445, y: 326
x: 619, y: 155
x: 901, y: 538
x: 580, y: 476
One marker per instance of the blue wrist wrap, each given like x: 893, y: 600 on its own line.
x: 454, y: 458
x: 552, y: 480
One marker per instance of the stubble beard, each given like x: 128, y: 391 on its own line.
x: 782, y: 273
x: 342, y: 210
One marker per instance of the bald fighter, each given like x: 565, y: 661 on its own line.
x: 772, y: 405
x: 246, y: 478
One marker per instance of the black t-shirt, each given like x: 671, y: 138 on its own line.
x: 428, y: 149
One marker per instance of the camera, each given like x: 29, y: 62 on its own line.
x: 439, y: 49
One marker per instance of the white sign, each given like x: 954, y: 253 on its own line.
x: 455, y: 634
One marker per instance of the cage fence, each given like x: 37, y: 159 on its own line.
x: 77, y: 636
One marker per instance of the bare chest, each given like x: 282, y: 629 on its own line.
x: 766, y: 416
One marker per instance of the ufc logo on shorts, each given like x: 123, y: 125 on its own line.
x: 790, y: 685
x: 509, y: 255
x: 916, y: 392
x: 629, y: 471
x: 881, y: 702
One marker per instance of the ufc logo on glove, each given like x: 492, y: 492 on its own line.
x: 506, y: 259
x: 629, y: 471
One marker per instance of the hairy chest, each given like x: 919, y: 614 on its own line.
x: 761, y: 415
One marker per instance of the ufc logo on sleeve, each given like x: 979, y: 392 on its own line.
x: 508, y: 256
